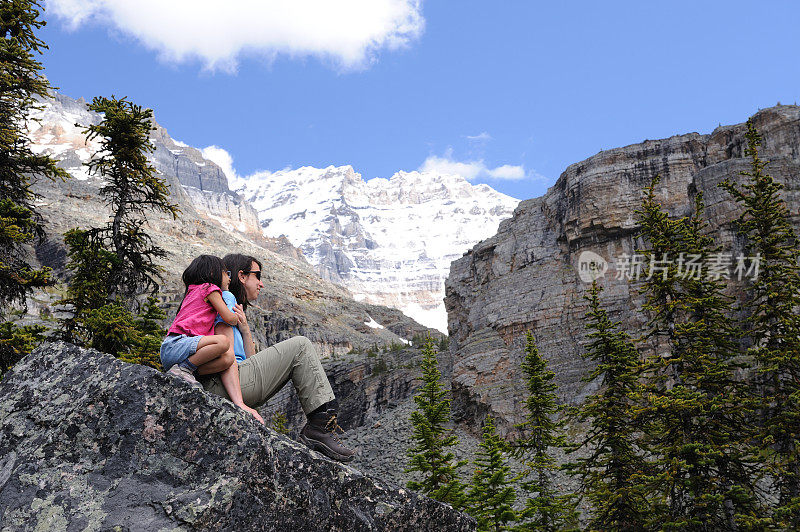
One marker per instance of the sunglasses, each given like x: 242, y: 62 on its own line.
x: 257, y: 273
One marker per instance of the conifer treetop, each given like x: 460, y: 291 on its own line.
x: 694, y: 413
x: 491, y: 495
x: 611, y: 473
x: 133, y: 188
x: 429, y: 456
x: 773, y: 324
x: 544, y: 510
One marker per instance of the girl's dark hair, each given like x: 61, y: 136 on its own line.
x: 204, y: 269
x: 236, y: 262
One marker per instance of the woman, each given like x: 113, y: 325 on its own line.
x: 263, y: 374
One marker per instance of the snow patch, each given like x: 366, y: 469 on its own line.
x: 372, y: 323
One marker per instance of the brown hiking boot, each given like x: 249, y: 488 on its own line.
x: 320, y: 435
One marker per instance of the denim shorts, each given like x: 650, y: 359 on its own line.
x: 177, y: 348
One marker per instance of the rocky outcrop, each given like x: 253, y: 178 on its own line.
x: 204, y: 183
x: 91, y: 443
x: 186, y: 164
x: 525, y: 276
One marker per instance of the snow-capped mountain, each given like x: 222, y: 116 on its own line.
x: 57, y: 129
x: 390, y: 241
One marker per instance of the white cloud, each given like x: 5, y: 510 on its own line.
x: 481, y: 137
x: 223, y: 159
x: 507, y: 171
x: 471, y: 170
x: 348, y: 32
x: 446, y: 165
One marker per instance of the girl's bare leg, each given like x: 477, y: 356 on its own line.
x: 229, y: 375
x: 210, y: 348
x: 230, y: 380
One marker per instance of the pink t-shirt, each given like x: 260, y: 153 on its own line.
x: 196, y: 315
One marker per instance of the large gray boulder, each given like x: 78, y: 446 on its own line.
x: 91, y: 443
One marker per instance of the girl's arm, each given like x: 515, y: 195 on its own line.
x: 215, y: 300
x: 247, y: 335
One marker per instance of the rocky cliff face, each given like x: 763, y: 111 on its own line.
x: 197, y: 183
x: 91, y: 443
x: 526, y: 277
x: 389, y: 241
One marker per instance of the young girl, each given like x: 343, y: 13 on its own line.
x: 191, y: 345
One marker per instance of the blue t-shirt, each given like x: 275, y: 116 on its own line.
x: 238, y: 343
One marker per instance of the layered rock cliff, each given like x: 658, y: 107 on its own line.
x: 91, y: 443
x: 525, y: 277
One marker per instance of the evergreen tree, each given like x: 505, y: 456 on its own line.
x: 444, y: 343
x: 545, y: 510
x: 21, y: 83
x: 91, y: 266
x: 135, y: 339
x: 149, y: 335
x: 16, y: 342
x: 491, y: 495
x: 132, y: 188
x: 773, y: 323
x: 612, y: 474
x: 115, y: 264
x: 695, y: 412
x: 429, y: 455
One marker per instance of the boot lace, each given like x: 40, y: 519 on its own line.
x: 332, y: 426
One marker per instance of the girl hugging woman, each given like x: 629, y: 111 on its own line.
x: 191, y: 347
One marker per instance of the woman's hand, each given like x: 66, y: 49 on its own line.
x: 239, y: 311
x: 244, y: 328
x: 252, y: 411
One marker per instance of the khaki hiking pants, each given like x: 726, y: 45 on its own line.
x: 262, y: 375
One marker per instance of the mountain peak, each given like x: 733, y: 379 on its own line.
x: 390, y: 241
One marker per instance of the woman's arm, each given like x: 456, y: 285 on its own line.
x: 247, y: 335
x: 215, y: 300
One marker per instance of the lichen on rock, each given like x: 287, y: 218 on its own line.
x: 88, y: 442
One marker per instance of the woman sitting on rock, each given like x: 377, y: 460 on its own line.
x: 263, y: 374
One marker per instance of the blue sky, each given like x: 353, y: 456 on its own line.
x: 509, y: 92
